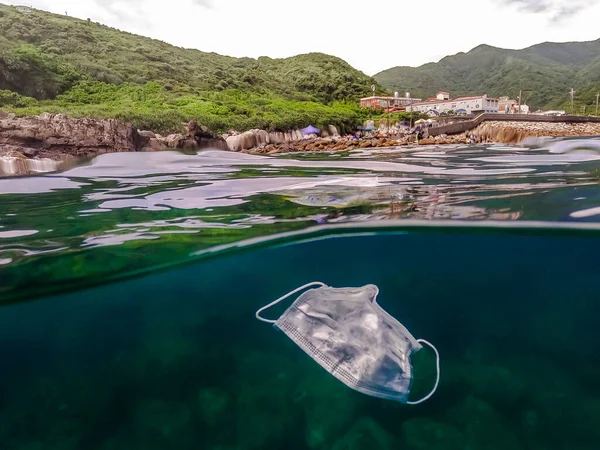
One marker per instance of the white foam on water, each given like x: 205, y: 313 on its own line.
x: 586, y: 213
x: 17, y: 233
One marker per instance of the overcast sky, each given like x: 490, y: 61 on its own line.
x: 370, y: 35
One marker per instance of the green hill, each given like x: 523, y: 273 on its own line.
x: 68, y: 65
x: 548, y: 70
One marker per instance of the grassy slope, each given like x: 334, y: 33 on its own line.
x: 549, y: 70
x: 69, y: 65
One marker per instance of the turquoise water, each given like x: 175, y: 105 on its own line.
x: 100, y: 349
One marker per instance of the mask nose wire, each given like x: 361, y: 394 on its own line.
x: 280, y: 299
x: 437, y: 381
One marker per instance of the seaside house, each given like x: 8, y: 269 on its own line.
x: 24, y: 9
x: 442, y: 103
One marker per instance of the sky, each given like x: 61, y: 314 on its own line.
x: 371, y: 35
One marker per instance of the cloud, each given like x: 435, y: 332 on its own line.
x: 120, y: 10
x: 557, y: 10
x: 134, y: 10
x: 203, y: 3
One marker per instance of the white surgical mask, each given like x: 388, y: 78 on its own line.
x: 353, y: 338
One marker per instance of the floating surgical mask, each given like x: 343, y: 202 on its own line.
x: 353, y: 338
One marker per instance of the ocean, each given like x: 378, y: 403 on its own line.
x: 129, y: 287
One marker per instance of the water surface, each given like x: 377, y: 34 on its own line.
x: 126, y: 213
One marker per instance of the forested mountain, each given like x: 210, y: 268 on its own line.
x: 546, y: 71
x: 88, y: 68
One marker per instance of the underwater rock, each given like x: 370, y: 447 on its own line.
x: 264, y: 414
x: 366, y: 434
x: 427, y: 434
x: 329, y: 408
x: 263, y: 418
x: 586, y: 420
x: 482, y: 427
x: 496, y: 385
x: 213, y: 404
x: 167, y: 421
x: 33, y: 445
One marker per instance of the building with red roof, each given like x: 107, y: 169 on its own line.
x: 442, y: 103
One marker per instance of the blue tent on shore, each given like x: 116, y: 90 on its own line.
x: 310, y: 130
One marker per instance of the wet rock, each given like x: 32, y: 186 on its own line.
x: 213, y: 405
x: 482, y: 426
x: 166, y: 422
x: 495, y: 384
x: 155, y: 145
x: 264, y: 414
x: 14, y: 162
x: 585, y: 419
x: 427, y: 434
x: 366, y: 434
x: 315, y: 395
x: 200, y: 137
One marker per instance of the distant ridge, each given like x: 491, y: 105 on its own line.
x: 549, y: 70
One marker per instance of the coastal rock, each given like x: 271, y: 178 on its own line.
x: 18, y: 164
x: 515, y: 131
x: 148, y: 134
x: 154, y: 145
x: 50, y: 135
x: 244, y: 141
x: 173, y: 140
x: 259, y: 139
x: 262, y: 138
x: 200, y: 137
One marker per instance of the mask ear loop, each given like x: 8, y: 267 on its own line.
x: 437, y: 381
x: 280, y: 299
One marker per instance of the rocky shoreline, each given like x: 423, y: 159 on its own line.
x: 515, y: 132
x: 49, y: 141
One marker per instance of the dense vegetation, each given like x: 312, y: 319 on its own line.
x: 57, y: 63
x: 546, y: 72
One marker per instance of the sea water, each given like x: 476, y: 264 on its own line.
x: 130, y: 285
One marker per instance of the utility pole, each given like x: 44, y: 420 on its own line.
x: 388, y: 116
x: 520, y: 95
x: 597, y: 98
x: 572, y: 94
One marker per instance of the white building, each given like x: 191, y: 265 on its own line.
x: 388, y: 102
x: 460, y: 105
x: 24, y: 9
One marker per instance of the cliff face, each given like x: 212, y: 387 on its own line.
x: 49, y: 135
